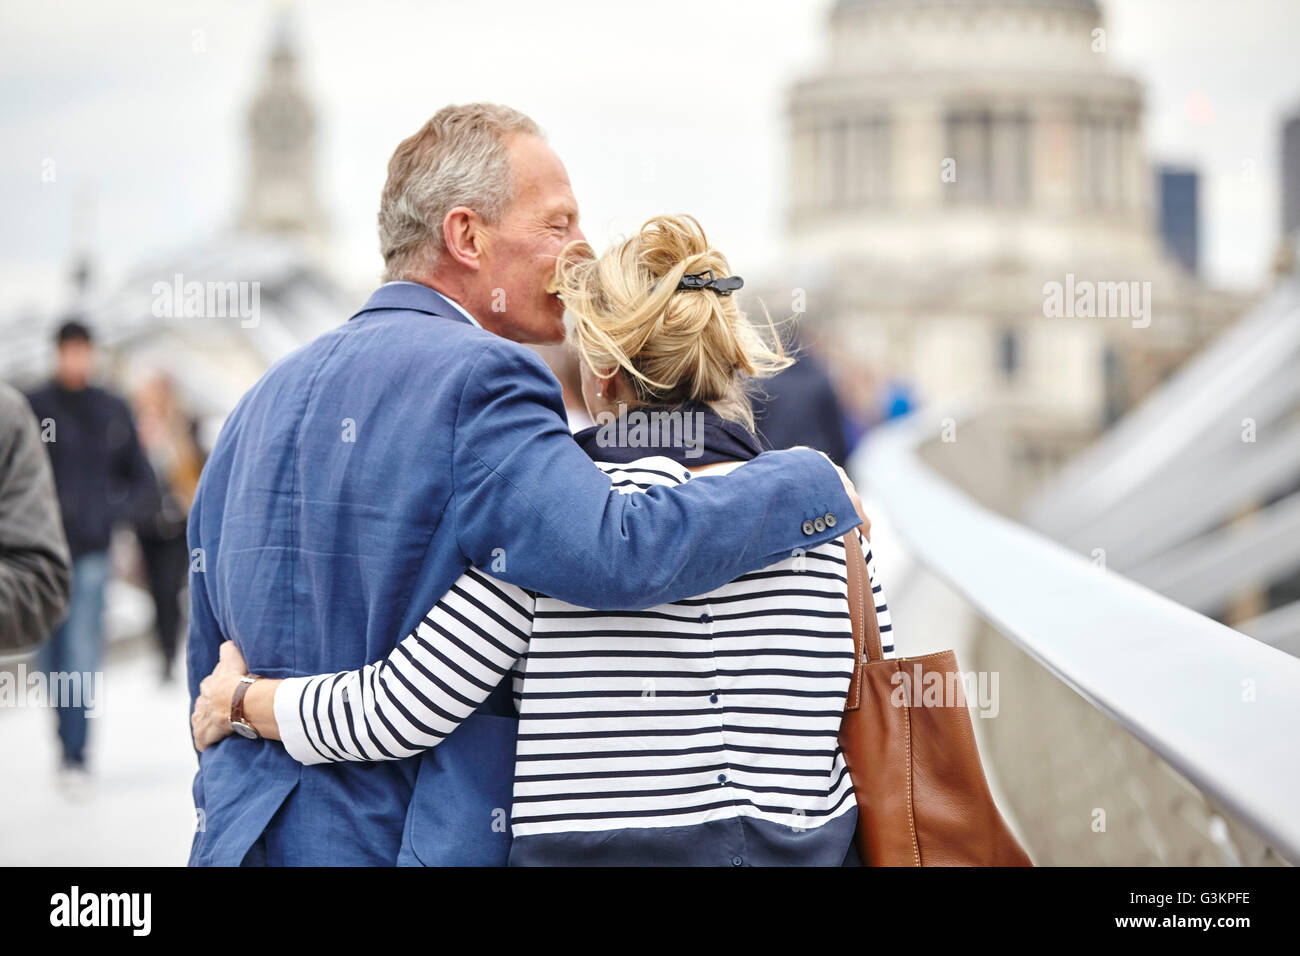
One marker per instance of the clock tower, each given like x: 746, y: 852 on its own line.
x: 281, y: 197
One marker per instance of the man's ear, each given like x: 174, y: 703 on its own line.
x: 463, y: 236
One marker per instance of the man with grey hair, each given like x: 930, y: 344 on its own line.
x: 368, y: 470
x: 447, y: 219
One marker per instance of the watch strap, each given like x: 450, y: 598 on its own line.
x: 237, y: 701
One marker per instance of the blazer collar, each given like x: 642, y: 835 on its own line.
x: 411, y: 297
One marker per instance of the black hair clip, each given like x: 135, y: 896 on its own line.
x: 723, y: 285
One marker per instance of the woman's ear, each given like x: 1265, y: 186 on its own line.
x: 620, y: 388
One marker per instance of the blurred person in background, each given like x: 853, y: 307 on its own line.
x: 102, y: 477
x: 897, y: 400
x: 168, y: 436
x: 798, y: 406
x: 34, y: 564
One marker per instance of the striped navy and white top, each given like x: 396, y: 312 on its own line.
x: 698, y: 732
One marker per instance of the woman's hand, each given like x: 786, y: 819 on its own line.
x: 210, y: 721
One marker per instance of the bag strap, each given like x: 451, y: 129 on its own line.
x: 866, y: 629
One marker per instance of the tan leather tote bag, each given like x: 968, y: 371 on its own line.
x: 922, y: 796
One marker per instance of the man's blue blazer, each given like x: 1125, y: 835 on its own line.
x: 347, y: 491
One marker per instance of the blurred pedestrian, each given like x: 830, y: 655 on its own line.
x: 102, y: 477
x: 34, y: 563
x: 168, y: 436
x: 798, y: 406
x: 897, y: 400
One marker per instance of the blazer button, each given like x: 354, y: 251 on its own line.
x: 807, y: 527
x: 820, y: 525
x: 830, y: 520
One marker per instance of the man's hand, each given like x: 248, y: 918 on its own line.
x: 850, y: 491
x: 210, y: 721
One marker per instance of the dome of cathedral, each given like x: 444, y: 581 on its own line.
x: 966, y: 35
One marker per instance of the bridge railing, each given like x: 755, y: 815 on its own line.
x: 1220, y: 708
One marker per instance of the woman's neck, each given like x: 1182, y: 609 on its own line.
x: 623, y: 406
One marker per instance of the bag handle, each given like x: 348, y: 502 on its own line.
x: 866, y: 628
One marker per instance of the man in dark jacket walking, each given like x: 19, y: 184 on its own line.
x: 34, y: 564
x: 102, y: 477
x: 798, y: 406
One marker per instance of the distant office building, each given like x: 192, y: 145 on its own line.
x: 1180, y: 217
x: 1291, y: 174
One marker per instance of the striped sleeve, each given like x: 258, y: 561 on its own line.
x: 882, y: 606
x: 423, y: 690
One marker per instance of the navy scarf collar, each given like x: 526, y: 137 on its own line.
x: 701, y: 437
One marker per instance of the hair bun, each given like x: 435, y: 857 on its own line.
x: 627, y: 313
x: 666, y: 242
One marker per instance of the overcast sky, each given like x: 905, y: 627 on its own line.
x: 655, y: 106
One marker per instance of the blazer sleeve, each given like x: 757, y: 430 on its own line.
x: 530, y: 506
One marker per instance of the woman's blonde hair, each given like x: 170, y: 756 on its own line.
x: 675, y: 346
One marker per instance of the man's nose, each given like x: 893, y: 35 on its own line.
x: 578, y: 234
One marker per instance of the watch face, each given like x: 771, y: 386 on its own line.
x: 243, y: 729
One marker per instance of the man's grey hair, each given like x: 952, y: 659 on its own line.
x: 458, y: 158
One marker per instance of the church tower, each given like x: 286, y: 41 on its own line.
x: 281, y: 196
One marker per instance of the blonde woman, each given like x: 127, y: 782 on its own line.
x: 702, y: 732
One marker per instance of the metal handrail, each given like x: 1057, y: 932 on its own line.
x: 1219, y: 707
